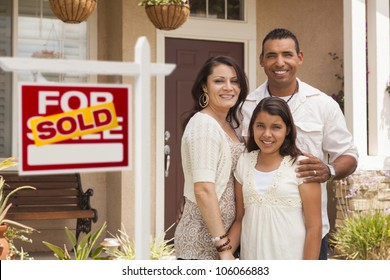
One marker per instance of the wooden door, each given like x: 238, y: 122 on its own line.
x: 189, y: 56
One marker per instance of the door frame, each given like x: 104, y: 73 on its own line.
x: 242, y: 32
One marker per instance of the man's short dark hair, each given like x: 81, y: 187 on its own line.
x: 278, y: 34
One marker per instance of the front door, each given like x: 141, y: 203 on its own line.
x: 189, y: 56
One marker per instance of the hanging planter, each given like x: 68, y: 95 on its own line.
x: 167, y: 15
x: 72, y: 11
x: 51, y: 48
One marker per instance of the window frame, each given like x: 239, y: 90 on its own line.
x: 91, y: 50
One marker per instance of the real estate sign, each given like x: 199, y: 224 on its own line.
x: 73, y: 128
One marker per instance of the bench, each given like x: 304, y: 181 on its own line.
x: 57, y: 197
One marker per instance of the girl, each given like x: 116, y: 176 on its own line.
x: 279, y: 215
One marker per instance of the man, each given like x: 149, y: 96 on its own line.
x: 321, y: 127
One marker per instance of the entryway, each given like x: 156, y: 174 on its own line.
x: 189, y: 56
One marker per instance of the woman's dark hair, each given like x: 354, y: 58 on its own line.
x: 234, y: 115
x: 278, y: 34
x: 276, y: 106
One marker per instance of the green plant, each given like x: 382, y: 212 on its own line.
x: 4, y: 207
x: 126, y: 251
x: 83, y: 250
x: 363, y: 236
x: 158, y: 2
x: 339, y: 96
x: 159, y: 247
x: 12, y: 234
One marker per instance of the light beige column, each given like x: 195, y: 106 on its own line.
x: 355, y: 71
x: 120, y: 24
x: 379, y: 71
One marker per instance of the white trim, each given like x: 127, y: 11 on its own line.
x: 355, y: 72
x: 374, y: 163
x: 217, y: 30
x: 15, y: 36
x: 378, y: 155
x: 379, y: 70
x: 92, y: 42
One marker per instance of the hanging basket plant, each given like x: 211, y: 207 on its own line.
x: 72, y: 11
x: 168, y: 14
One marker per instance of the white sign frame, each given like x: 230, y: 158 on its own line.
x: 38, y: 152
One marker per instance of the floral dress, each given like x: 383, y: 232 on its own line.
x: 192, y: 238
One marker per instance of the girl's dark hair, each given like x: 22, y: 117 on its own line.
x: 234, y: 115
x: 276, y: 106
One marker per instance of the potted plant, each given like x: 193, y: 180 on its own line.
x: 160, y: 248
x: 166, y: 14
x: 15, y: 233
x: 84, y: 250
x: 363, y: 236
x: 119, y: 247
x: 4, y: 207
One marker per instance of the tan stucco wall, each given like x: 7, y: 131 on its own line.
x: 319, y: 28
x: 120, y: 24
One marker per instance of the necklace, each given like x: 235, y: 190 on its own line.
x: 295, y: 91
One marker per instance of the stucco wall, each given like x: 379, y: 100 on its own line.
x: 319, y: 28
x: 120, y: 24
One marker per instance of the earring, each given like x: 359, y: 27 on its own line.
x: 204, y: 100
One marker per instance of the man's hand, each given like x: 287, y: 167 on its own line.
x: 312, y: 169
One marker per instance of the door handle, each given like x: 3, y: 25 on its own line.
x: 167, y: 135
x: 167, y: 152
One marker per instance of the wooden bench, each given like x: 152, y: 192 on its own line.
x: 57, y: 197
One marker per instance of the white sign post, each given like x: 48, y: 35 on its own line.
x: 142, y: 69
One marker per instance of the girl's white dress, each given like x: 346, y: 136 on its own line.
x: 273, y: 226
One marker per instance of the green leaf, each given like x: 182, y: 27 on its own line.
x: 96, y: 235
x: 71, y: 236
x: 58, y: 252
x: 96, y: 253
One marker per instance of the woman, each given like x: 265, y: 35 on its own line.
x: 279, y: 214
x: 210, y: 149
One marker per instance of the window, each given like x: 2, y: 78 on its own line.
x: 40, y: 34
x: 219, y: 9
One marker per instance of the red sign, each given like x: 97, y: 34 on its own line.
x: 73, y: 128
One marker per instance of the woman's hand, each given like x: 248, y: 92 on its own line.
x: 226, y: 255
